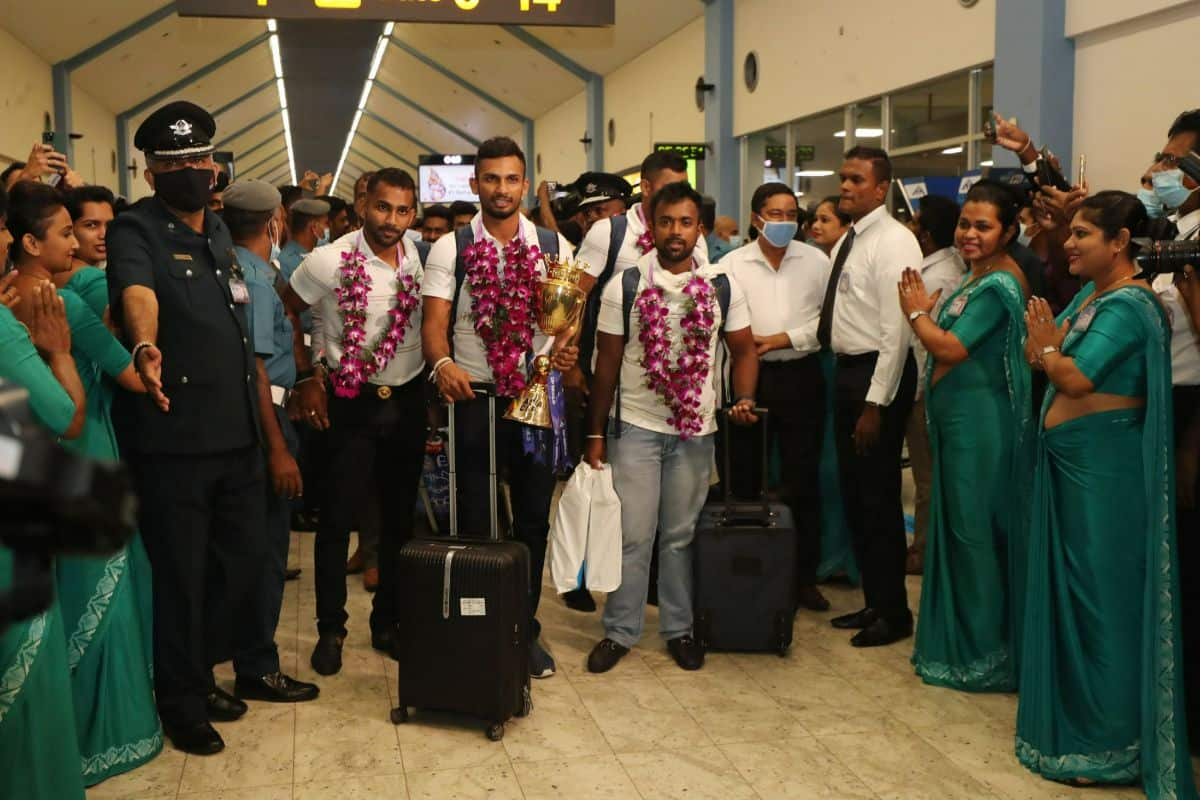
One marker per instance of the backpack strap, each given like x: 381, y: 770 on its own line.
x: 720, y: 282
x: 422, y: 251
x: 548, y: 242
x: 630, y: 279
x: 591, y: 311
x: 464, y: 237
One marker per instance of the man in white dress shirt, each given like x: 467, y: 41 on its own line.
x: 457, y: 357
x: 876, y: 380
x: 784, y: 282
x: 380, y: 432
x: 942, y: 269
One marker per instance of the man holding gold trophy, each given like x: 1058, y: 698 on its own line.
x: 495, y: 293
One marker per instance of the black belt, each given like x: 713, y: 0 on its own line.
x: 791, y: 362
x: 377, y: 391
x: 860, y: 358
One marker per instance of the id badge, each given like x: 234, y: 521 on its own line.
x: 959, y: 305
x: 241, y: 294
x: 844, y: 282
x: 1084, y: 319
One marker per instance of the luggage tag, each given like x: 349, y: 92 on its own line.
x: 844, y: 282
x: 1084, y: 319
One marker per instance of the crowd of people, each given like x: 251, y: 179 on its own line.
x: 268, y: 359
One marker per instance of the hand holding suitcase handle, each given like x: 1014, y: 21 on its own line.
x: 743, y: 412
x: 757, y: 413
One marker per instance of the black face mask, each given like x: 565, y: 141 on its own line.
x: 186, y: 190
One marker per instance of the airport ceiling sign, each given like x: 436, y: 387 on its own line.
x: 591, y: 13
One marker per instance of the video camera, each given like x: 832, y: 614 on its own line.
x: 54, y: 503
x: 1159, y: 253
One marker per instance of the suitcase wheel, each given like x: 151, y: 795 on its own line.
x: 526, y: 704
x: 400, y: 715
x: 496, y: 732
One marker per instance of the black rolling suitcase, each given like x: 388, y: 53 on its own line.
x: 464, y: 624
x: 744, y: 559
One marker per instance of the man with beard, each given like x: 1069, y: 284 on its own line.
x: 376, y: 416
x: 661, y: 450
x: 457, y: 264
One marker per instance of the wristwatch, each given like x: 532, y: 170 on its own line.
x: 1048, y: 349
x: 914, y: 316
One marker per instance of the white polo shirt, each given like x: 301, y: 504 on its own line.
x: 319, y: 275
x: 640, y: 405
x: 785, y: 300
x: 469, y: 351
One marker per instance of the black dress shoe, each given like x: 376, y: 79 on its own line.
x: 275, y: 687
x: 223, y: 707
x: 291, y: 574
x: 200, y: 739
x: 385, y: 642
x: 605, y: 655
x: 580, y: 600
x: 327, y: 655
x: 687, y: 652
x: 304, y: 523
x: 810, y: 597
x: 882, y: 632
x: 859, y: 619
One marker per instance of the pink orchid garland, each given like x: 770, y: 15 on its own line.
x: 645, y: 242
x: 682, y: 385
x: 360, y: 361
x: 503, y: 310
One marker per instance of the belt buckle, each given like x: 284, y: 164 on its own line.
x: 384, y: 392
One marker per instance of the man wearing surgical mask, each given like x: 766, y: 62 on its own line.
x: 784, y: 281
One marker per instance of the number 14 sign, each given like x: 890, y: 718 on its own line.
x: 579, y: 13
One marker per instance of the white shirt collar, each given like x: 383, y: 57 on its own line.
x: 754, y: 252
x: 527, y: 230
x: 937, y: 257
x: 869, y: 220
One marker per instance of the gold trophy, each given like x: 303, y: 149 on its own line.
x: 560, y: 307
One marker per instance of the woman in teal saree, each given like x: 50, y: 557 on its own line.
x: 1101, y: 679
x: 104, y: 601
x: 979, y: 421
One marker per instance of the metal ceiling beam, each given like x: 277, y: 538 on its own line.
x: 270, y: 170
x: 459, y: 132
x: 246, y: 129
x: 279, y: 173
x: 280, y: 152
x: 463, y: 82
x: 385, y: 123
x: 61, y: 73
x: 125, y: 116
x: 595, y: 93
x: 235, y: 103
x: 382, y: 147
x: 257, y: 147
x: 366, y: 158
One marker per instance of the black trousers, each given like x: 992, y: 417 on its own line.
x: 1187, y: 406
x: 369, y: 438
x: 871, y: 483
x: 532, y: 485
x: 202, y: 518
x: 794, y: 394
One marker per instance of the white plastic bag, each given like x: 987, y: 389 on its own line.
x: 603, y: 561
x: 585, y: 537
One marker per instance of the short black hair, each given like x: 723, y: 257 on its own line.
x: 394, y: 177
x: 708, y: 214
x: 1187, y: 122
x: 676, y: 193
x: 244, y: 224
x: 880, y: 162
x: 997, y: 194
x: 460, y: 208
x: 768, y: 190
x: 3, y: 204
x: 661, y: 161
x: 297, y: 220
x: 31, y: 204
x: 833, y: 199
x: 88, y: 194
x: 290, y: 194
x: 939, y: 217
x: 438, y: 211
x: 336, y: 204
x: 9, y: 170
x: 498, y: 147
x: 1110, y: 211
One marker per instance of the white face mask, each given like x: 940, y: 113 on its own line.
x: 735, y: 240
x: 1024, y: 237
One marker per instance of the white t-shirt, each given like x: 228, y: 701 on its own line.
x: 640, y: 405
x: 319, y: 275
x: 469, y: 352
x: 593, y: 251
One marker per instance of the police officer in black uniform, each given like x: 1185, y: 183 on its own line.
x: 180, y: 298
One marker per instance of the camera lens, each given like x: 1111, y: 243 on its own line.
x: 1157, y: 258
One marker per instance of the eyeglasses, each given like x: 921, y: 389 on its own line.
x: 775, y: 215
x: 1167, y: 160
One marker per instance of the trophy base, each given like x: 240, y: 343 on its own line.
x: 532, y: 407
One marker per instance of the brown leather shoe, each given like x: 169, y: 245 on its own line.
x: 810, y: 597
x: 356, y: 564
x: 371, y: 579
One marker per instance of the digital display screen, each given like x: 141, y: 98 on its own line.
x: 445, y: 183
x: 582, y: 13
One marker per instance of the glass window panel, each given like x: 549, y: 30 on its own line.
x: 931, y: 112
x: 818, y: 155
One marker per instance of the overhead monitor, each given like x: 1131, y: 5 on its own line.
x: 575, y: 13
x: 445, y: 178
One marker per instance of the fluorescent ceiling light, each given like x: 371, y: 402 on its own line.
x: 862, y: 133
x: 952, y: 151
x: 813, y: 173
x: 376, y: 60
x: 277, y: 61
x: 387, y: 29
x: 271, y: 26
x: 282, y: 93
x: 988, y: 163
x: 362, y: 101
x: 274, y: 42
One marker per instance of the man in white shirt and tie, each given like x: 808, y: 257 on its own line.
x: 784, y: 282
x: 942, y: 269
x: 876, y: 380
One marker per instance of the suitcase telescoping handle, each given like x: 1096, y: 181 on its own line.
x: 486, y: 393
x: 726, y: 494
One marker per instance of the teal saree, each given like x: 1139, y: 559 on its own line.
x: 1101, y: 679
x: 106, y: 601
x: 980, y: 434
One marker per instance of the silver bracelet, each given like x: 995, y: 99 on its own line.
x: 596, y: 436
x: 441, y: 362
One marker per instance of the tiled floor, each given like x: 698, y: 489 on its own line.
x: 828, y: 721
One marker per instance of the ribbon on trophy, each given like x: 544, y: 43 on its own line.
x: 549, y: 446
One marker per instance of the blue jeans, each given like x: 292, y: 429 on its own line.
x: 662, y: 481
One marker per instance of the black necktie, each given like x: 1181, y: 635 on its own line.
x: 825, y: 325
